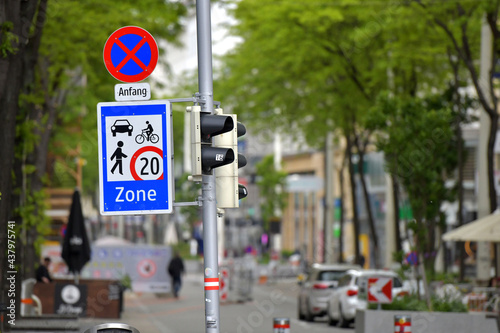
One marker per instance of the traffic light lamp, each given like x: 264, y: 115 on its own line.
x: 204, y: 155
x: 228, y: 191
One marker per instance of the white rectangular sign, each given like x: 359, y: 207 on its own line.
x: 132, y: 92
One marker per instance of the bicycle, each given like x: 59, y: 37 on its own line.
x: 140, y: 138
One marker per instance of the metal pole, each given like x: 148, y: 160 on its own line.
x: 209, y: 215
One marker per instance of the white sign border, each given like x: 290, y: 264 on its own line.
x: 169, y: 162
x: 383, y: 281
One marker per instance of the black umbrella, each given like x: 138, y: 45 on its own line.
x: 76, y: 246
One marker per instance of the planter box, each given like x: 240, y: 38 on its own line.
x: 382, y: 321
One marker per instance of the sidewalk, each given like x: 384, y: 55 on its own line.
x: 137, y: 307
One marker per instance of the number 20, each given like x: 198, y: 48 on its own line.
x: 154, y: 166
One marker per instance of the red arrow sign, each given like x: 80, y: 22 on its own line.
x: 380, y: 290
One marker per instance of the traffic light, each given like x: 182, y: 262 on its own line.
x: 204, y: 155
x: 228, y: 190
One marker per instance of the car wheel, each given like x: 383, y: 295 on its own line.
x: 300, y: 314
x: 309, y: 315
x: 342, y: 321
x: 331, y: 321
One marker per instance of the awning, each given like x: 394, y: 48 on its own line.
x: 486, y: 229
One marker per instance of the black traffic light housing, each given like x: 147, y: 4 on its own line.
x: 204, y: 156
x: 228, y: 191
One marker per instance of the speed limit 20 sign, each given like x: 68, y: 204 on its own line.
x: 135, y: 158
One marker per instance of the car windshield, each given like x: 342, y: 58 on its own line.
x: 121, y: 122
x: 330, y: 275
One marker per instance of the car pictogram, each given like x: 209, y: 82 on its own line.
x: 122, y: 126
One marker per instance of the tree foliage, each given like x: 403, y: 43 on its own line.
x: 51, y: 78
x: 72, y: 47
x: 418, y: 140
x: 271, y: 183
x: 314, y: 67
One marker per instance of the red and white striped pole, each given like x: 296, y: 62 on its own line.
x: 211, y: 283
x: 281, y: 325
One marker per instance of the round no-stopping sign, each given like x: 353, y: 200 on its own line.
x: 130, y: 54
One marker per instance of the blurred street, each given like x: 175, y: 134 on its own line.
x: 151, y: 314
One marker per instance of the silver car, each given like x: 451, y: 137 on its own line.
x: 351, y: 294
x: 317, y: 288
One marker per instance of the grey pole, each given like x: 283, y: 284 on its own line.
x: 209, y: 215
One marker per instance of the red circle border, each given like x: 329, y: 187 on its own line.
x: 137, y: 154
x: 109, y: 45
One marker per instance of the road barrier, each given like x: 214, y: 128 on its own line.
x: 281, y: 325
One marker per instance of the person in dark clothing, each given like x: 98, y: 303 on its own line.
x: 176, y: 269
x: 42, y: 272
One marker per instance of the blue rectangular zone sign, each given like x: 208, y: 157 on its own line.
x: 135, y: 157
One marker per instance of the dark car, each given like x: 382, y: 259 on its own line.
x: 122, y: 126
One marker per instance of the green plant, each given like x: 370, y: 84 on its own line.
x: 126, y: 282
x: 446, y: 277
x: 264, y: 260
x: 448, y: 304
x: 184, y: 251
x: 285, y: 254
x: 413, y: 303
x: 7, y: 39
x: 406, y: 303
x: 271, y: 183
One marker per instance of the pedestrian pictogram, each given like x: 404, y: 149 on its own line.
x: 380, y: 290
x: 135, y: 157
x: 118, y: 155
x: 130, y: 54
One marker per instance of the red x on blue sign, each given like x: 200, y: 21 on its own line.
x: 130, y: 54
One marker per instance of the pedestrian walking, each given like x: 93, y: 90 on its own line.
x: 175, y: 270
x: 42, y: 272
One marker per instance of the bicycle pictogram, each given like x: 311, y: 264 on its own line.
x: 147, y: 135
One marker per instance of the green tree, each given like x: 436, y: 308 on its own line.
x: 419, y: 142
x: 271, y: 183
x: 460, y: 22
x: 21, y: 25
x: 52, y: 77
x: 324, y: 67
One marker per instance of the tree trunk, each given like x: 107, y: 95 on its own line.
x: 366, y: 195
x: 491, y: 160
x: 459, y: 113
x: 12, y: 79
x: 397, y: 228
x: 342, y: 215
x: 355, y: 219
